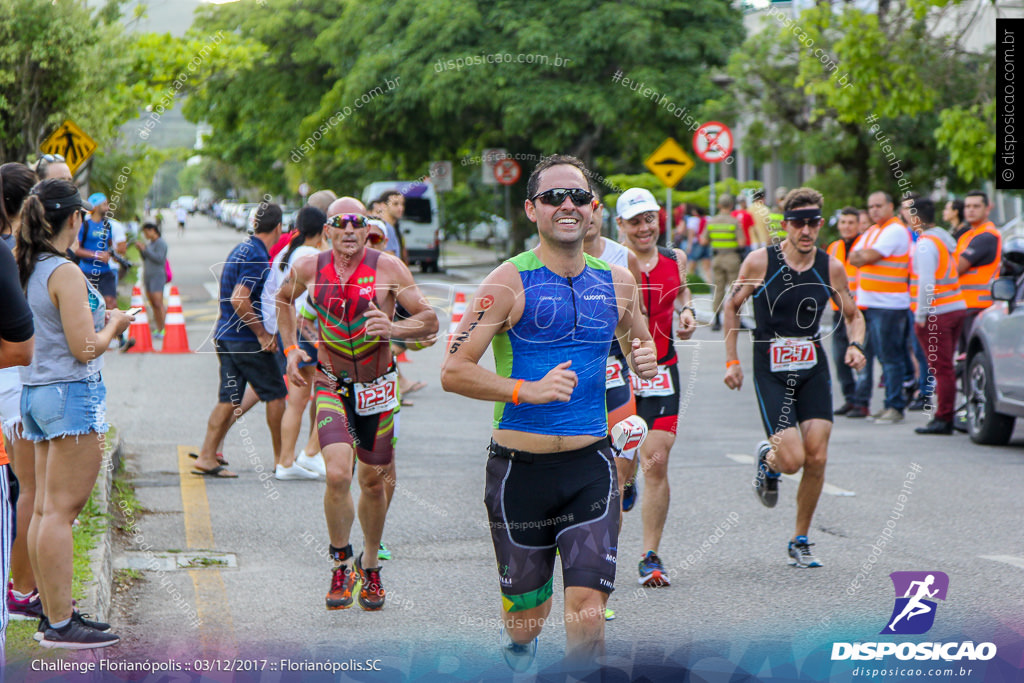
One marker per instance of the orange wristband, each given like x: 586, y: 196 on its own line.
x: 515, y: 392
x: 730, y: 363
x: 289, y: 349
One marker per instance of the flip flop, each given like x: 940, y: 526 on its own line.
x: 215, y: 473
x: 416, y: 386
x: 220, y: 458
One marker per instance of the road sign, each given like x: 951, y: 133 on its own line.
x: 669, y: 162
x: 713, y: 142
x: 491, y: 157
x: 70, y: 142
x: 507, y: 171
x: 441, y: 175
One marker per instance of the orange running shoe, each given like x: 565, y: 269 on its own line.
x: 344, y: 582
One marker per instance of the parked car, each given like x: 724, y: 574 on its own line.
x: 421, y: 230
x: 240, y: 216
x: 993, y: 375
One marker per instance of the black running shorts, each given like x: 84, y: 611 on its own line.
x: 785, y: 399
x: 540, y: 502
x: 660, y: 409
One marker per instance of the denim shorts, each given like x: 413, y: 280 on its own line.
x: 50, y: 411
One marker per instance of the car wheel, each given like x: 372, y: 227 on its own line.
x: 984, y: 424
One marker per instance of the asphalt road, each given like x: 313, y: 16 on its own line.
x: 734, y: 605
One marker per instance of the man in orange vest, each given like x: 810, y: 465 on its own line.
x: 979, y: 248
x: 939, y: 309
x: 883, y: 256
x: 849, y: 230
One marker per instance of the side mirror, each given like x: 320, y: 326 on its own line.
x: 1004, y: 289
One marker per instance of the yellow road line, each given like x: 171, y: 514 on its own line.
x: 216, y: 629
x: 196, y: 507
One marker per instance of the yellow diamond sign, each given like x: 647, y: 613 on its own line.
x: 669, y: 162
x: 70, y: 142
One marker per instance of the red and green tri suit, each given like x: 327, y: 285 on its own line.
x: 356, y: 386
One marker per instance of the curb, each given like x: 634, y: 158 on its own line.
x: 98, y: 591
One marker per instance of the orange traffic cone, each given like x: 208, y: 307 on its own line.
x: 402, y: 358
x: 175, y: 337
x: 139, y: 330
x: 457, y: 312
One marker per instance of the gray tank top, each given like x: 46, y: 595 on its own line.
x: 52, y: 361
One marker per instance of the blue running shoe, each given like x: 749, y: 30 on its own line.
x: 629, y: 495
x: 800, y: 553
x: 652, y: 573
x: 519, y: 657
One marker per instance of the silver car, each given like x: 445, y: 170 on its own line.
x: 993, y: 378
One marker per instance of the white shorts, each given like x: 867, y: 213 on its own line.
x: 10, y: 400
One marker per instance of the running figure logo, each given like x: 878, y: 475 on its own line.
x: 914, y: 611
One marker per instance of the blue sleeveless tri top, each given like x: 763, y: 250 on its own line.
x: 563, y: 319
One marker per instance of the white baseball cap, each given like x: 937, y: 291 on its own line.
x: 634, y: 201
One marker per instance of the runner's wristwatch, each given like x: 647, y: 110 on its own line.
x: 679, y: 311
x: 857, y: 345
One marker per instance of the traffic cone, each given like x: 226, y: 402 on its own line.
x: 139, y: 330
x: 402, y: 358
x: 175, y: 337
x: 457, y: 312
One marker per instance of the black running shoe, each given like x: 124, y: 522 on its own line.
x: 766, y: 482
x: 629, y: 495
x: 75, y: 635
x: 85, y: 621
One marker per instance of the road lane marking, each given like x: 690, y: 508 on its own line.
x: 216, y: 629
x: 830, y: 489
x: 195, y: 505
x: 1008, y: 559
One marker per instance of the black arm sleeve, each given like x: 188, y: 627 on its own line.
x: 982, y: 250
x: 15, y: 315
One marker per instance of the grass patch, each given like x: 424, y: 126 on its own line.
x: 128, y: 507
x: 207, y: 562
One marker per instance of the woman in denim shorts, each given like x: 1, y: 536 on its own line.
x: 63, y: 401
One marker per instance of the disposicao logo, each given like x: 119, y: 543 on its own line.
x: 916, y: 595
x: 913, y: 614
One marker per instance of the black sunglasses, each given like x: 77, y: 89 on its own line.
x: 556, y: 196
x: 799, y: 223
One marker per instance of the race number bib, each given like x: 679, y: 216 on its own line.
x: 788, y: 354
x: 613, y: 374
x: 659, y: 385
x: 378, y: 396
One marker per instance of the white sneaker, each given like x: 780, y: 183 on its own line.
x: 313, y: 463
x: 293, y: 472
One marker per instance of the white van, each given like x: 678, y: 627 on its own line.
x: 420, y: 228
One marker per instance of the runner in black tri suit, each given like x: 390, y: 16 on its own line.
x: 791, y: 284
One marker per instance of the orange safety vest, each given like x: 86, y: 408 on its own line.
x: 947, y: 289
x: 838, y: 249
x: 888, y: 275
x: 975, y: 282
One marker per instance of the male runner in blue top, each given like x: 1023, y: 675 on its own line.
x: 551, y: 482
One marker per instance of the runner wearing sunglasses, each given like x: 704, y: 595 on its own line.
x: 550, y: 315
x: 791, y: 283
x: 354, y: 291
x: 666, y: 296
